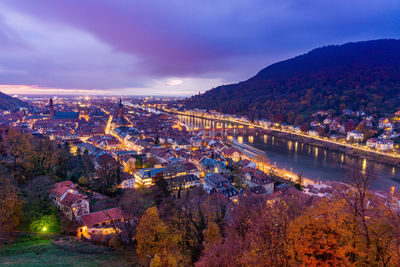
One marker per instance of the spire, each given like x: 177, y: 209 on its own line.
x: 51, y: 108
x: 120, y: 109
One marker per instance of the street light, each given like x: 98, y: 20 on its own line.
x: 44, y: 229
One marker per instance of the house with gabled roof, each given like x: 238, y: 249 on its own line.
x: 60, y: 190
x: 100, y: 223
x: 74, y: 205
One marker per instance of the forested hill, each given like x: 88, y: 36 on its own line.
x: 8, y: 102
x: 359, y: 76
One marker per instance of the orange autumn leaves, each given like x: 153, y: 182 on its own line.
x: 320, y: 236
x: 288, y: 231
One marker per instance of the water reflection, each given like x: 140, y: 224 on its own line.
x: 305, y: 159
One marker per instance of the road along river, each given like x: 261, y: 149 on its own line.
x: 315, y: 163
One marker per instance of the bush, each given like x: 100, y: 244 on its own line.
x: 83, y: 181
x: 46, y: 224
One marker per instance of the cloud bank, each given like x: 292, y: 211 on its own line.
x: 170, y: 47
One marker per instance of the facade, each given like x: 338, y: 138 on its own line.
x: 217, y: 183
x: 74, y: 205
x: 128, y: 181
x: 371, y: 142
x: 100, y: 223
x: 384, y: 145
x: 256, y: 178
x: 208, y: 165
x: 144, y: 177
x: 185, y: 181
x: 313, y: 133
x: 355, y: 135
x: 60, y: 190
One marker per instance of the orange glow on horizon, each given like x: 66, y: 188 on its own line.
x: 39, y: 90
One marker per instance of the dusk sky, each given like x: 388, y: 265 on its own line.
x: 170, y: 47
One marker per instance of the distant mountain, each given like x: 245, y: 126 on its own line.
x: 7, y: 102
x: 359, y: 76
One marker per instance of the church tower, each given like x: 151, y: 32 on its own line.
x: 51, y: 107
x: 120, y: 109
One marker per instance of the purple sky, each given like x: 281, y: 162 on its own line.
x: 170, y: 47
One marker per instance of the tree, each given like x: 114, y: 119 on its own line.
x: 290, y: 117
x: 130, y: 165
x: 150, y: 162
x: 319, y: 237
x: 157, y: 140
x: 212, y: 236
x: 304, y: 127
x: 46, y: 224
x: 161, y: 189
x: 152, y: 234
x: 299, y: 120
x: 10, y: 203
x: 357, y: 199
x: 109, y: 173
x: 139, y: 163
x: 133, y: 204
x: 37, y: 200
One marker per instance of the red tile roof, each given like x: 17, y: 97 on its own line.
x: 70, y: 199
x: 60, y: 188
x: 99, y: 217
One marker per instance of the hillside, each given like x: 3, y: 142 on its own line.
x: 359, y: 76
x: 8, y: 102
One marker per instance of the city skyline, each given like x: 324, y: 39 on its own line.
x: 155, y: 48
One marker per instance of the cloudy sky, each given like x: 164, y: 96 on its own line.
x: 170, y: 47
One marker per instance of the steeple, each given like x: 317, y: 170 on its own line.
x: 51, y: 108
x: 120, y: 109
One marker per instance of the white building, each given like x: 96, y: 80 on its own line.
x: 313, y: 133
x: 371, y: 143
x: 384, y: 145
x: 355, y: 135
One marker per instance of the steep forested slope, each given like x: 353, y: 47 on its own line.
x: 8, y: 102
x: 360, y: 76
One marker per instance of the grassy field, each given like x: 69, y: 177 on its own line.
x: 45, y: 253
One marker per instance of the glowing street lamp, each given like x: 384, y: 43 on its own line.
x: 44, y: 229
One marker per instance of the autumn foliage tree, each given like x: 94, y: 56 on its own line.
x: 320, y: 236
x: 156, y: 243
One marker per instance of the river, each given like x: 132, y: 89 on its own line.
x: 315, y: 163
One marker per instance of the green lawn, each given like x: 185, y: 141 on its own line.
x: 45, y: 253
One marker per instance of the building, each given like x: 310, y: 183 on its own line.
x: 371, y: 142
x: 385, y: 123
x: 230, y: 152
x: 313, y: 133
x: 208, y: 165
x: 384, y: 145
x: 60, y: 190
x: 144, y: 177
x: 184, y: 181
x: 128, y: 181
x: 355, y: 135
x: 66, y: 116
x: 100, y: 223
x: 264, y: 123
x: 51, y: 108
x: 256, y: 178
x: 74, y: 205
x: 120, y: 120
x: 217, y: 183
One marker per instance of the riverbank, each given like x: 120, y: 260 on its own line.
x: 309, y: 140
x: 354, y: 152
